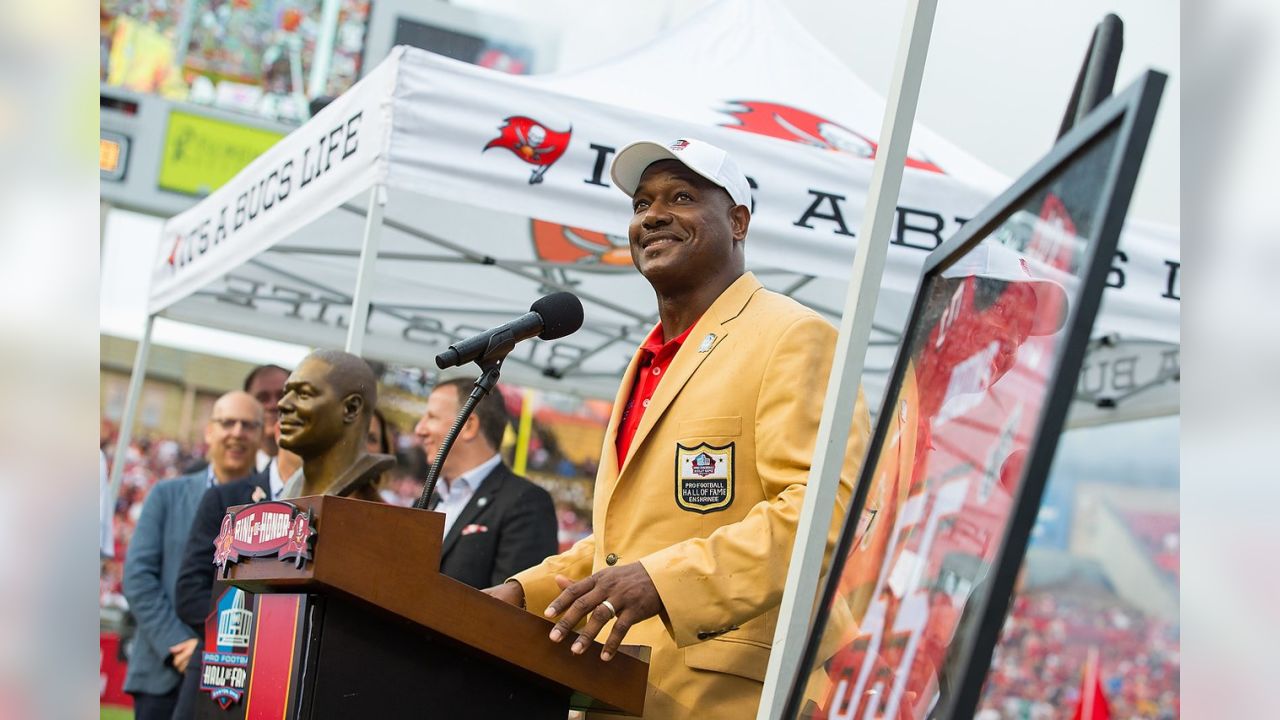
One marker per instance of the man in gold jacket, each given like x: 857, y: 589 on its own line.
x: 705, y: 460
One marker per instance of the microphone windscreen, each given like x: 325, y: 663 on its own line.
x: 561, y: 314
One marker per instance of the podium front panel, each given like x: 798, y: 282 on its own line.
x: 251, y: 656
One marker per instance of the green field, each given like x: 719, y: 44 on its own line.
x: 115, y: 713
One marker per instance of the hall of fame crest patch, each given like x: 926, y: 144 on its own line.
x: 704, y: 477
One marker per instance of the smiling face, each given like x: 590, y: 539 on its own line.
x: 313, y: 416
x: 442, y: 408
x: 233, y: 435
x: 685, y: 231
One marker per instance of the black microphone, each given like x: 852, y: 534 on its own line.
x: 549, y: 318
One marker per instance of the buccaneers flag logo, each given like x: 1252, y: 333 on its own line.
x: 298, y: 544
x: 789, y: 123
x: 532, y: 142
x: 223, y: 552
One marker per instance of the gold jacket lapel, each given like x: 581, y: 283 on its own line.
x: 607, y: 474
x: 689, y: 358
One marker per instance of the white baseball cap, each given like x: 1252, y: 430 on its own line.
x: 701, y: 157
x: 992, y: 260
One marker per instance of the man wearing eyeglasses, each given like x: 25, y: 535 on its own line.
x: 164, y: 645
x: 266, y: 384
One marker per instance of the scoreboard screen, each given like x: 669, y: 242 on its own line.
x: 113, y: 155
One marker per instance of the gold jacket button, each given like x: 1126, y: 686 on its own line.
x: 611, y: 559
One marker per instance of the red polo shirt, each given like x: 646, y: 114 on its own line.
x: 655, y: 358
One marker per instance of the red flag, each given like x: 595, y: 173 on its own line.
x: 532, y: 142
x: 1093, y: 701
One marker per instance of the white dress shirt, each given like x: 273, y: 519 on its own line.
x: 455, y: 494
x: 293, y: 486
x: 273, y: 477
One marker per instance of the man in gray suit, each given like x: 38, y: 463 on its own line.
x: 164, y: 645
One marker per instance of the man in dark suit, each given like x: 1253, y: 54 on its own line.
x: 496, y: 522
x: 165, y: 644
x: 193, y: 596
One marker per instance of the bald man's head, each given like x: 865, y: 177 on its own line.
x: 234, y: 434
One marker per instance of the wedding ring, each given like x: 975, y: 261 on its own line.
x: 612, y: 610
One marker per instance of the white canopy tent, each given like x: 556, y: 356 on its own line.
x: 468, y: 239
x: 435, y: 199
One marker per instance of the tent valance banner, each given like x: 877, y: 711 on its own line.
x: 284, y: 189
x: 498, y: 191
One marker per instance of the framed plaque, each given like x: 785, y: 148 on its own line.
x: 938, y: 524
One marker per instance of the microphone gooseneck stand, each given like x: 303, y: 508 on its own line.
x: 486, y: 382
x: 550, y: 318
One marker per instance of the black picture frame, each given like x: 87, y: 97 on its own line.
x: 1130, y: 116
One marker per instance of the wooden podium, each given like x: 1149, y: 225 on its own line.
x: 370, y: 628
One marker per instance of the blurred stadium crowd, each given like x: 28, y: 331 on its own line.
x: 1039, y: 663
x: 1038, y: 668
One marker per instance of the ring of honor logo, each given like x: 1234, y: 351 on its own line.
x: 224, y: 669
x: 532, y: 142
x: 262, y: 530
x: 704, y: 477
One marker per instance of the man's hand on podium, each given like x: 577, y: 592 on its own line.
x: 509, y: 592
x: 625, y: 592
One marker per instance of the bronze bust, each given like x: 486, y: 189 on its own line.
x: 324, y: 418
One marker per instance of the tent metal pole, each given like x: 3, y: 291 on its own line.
x: 364, y: 273
x: 806, y: 568
x: 322, y: 60
x: 130, y: 408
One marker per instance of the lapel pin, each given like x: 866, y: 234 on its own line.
x: 707, y: 342
x: 482, y: 502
